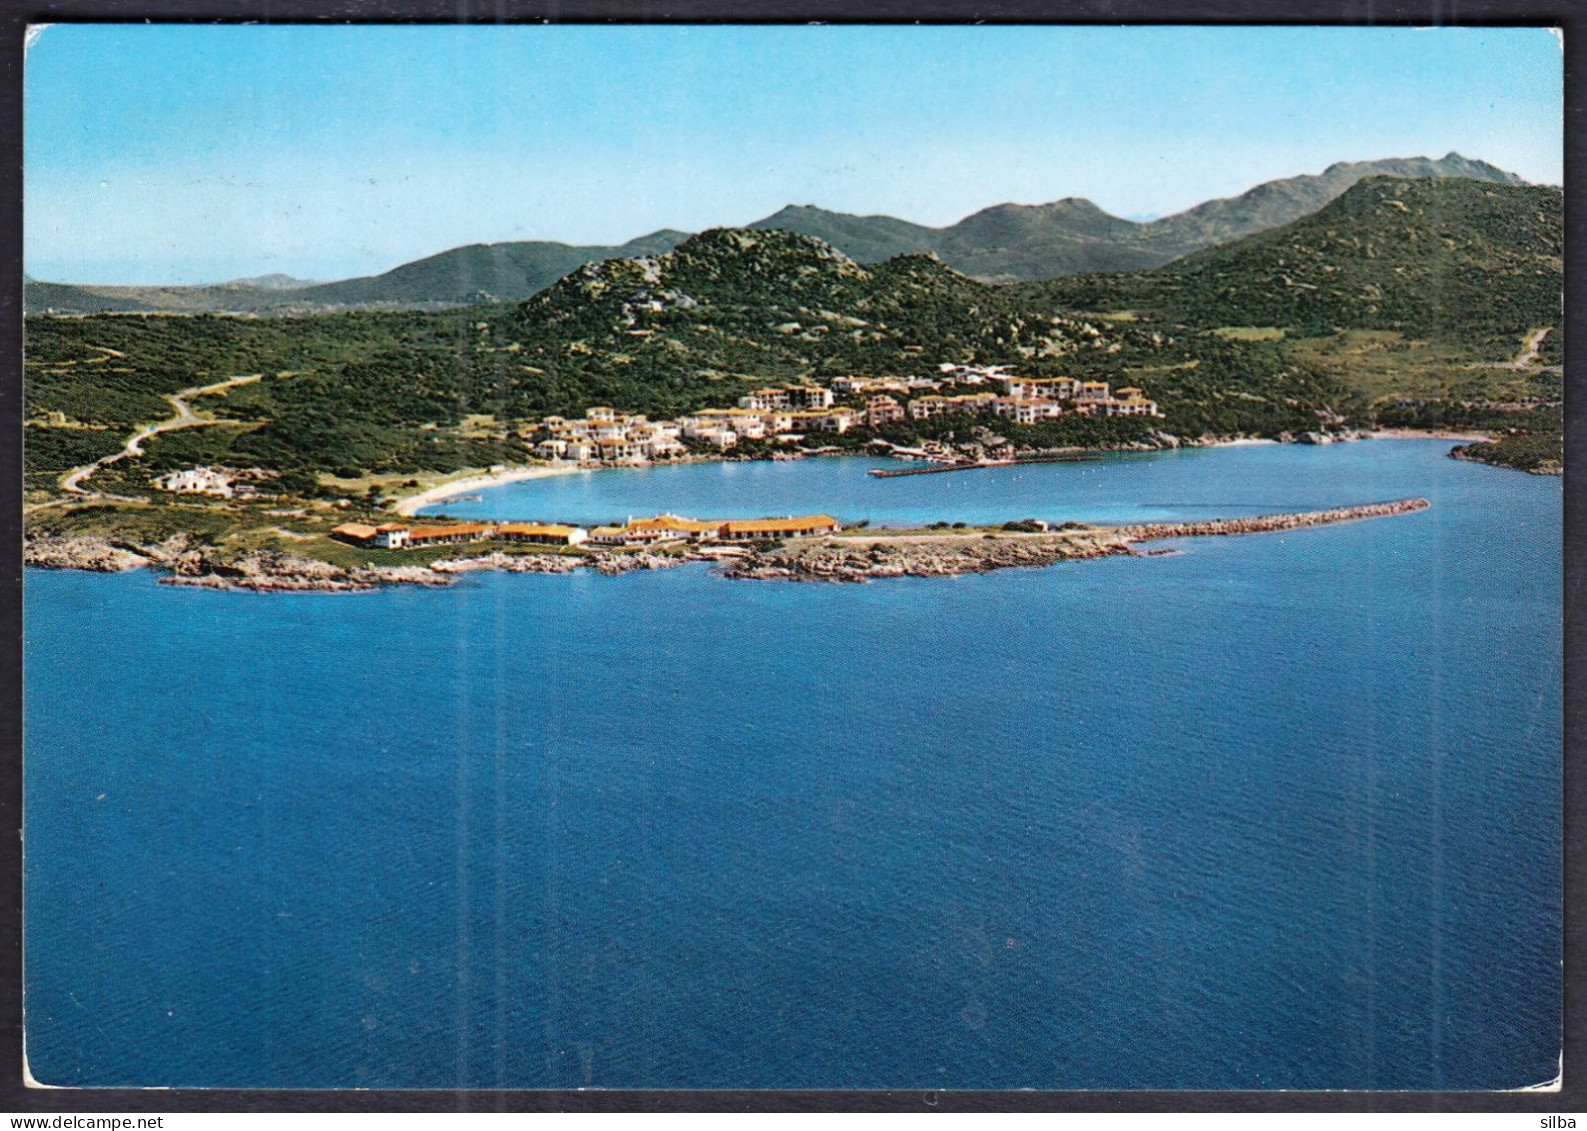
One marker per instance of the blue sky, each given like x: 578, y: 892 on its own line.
x: 195, y: 154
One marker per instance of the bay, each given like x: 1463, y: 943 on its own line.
x: 1275, y: 812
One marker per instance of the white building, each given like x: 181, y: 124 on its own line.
x: 1042, y: 388
x: 810, y: 397
x: 197, y: 481
x: 882, y: 410
x: 1023, y: 410
x: 764, y: 399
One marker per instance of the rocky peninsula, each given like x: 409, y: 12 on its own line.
x: 934, y: 554
x: 850, y: 557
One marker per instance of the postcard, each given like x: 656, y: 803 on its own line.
x: 790, y: 557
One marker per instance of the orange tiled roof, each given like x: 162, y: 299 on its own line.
x: 465, y: 529
x: 545, y: 530
x: 355, y: 530
x: 671, y: 522
x: 774, y: 525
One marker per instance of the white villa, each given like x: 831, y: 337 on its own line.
x: 198, y: 481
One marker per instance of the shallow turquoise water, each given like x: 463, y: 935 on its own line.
x: 1277, y: 812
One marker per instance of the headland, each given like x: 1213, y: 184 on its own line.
x: 824, y: 554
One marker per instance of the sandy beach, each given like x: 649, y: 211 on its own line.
x: 472, y: 483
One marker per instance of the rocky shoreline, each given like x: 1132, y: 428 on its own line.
x: 272, y: 571
x: 849, y: 558
x: 950, y: 555
x: 1465, y: 452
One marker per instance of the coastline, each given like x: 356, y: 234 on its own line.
x: 839, y: 558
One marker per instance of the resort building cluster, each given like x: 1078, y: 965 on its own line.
x: 789, y: 414
x: 635, y: 532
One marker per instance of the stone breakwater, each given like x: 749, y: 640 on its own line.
x: 950, y: 555
x: 1267, y: 523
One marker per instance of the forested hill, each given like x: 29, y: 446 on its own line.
x: 1004, y: 243
x: 1466, y: 262
x: 1024, y: 242
x: 734, y: 304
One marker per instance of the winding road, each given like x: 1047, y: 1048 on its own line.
x: 72, y: 482
x: 1527, y: 358
x: 1528, y: 355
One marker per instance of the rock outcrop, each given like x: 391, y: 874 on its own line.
x: 950, y: 555
x: 862, y: 557
x: 102, y: 555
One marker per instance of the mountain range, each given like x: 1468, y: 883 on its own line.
x: 1450, y: 276
x: 1004, y: 243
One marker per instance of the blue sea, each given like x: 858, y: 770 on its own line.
x: 1275, y: 812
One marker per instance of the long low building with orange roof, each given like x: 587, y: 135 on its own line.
x: 635, y: 532
x: 669, y: 527
x: 791, y: 526
x: 545, y: 534
x: 451, y: 533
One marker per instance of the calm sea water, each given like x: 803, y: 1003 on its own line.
x: 1192, y: 483
x: 1277, y: 812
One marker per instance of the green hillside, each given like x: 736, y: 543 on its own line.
x: 1470, y: 265
x: 868, y: 239
x: 1025, y: 242
x: 477, y: 273
x: 1403, y: 302
x: 502, y: 272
